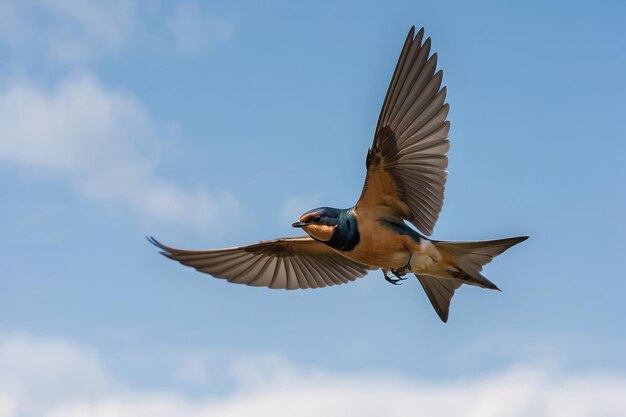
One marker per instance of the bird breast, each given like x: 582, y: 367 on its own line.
x: 379, y: 246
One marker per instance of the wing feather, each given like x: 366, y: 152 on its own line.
x: 300, y: 273
x: 407, y: 161
x: 288, y: 263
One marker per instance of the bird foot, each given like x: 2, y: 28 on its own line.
x: 400, y: 272
x: 394, y: 281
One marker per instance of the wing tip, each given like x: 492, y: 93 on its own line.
x: 165, y: 251
x: 427, y: 43
x: 155, y: 242
x: 415, y: 37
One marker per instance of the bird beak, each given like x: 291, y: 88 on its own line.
x: 299, y: 224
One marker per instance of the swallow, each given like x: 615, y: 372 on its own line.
x: 404, y: 183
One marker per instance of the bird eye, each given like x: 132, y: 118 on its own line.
x: 317, y: 219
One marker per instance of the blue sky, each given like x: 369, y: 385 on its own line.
x: 210, y: 125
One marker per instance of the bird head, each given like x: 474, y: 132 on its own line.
x: 319, y: 223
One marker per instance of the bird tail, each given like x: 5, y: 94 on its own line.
x: 470, y: 257
x: 466, y: 260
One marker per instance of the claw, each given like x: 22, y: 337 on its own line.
x: 393, y: 281
x: 400, y: 272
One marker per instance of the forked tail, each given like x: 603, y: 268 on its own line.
x: 468, y: 259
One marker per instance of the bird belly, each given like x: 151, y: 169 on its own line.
x: 429, y: 260
x: 382, y: 247
x: 379, y: 247
x: 421, y: 263
x: 379, y: 259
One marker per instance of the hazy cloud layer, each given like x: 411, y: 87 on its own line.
x: 104, y: 143
x: 31, y: 368
x: 72, y: 32
x: 193, y: 29
x: 68, y: 31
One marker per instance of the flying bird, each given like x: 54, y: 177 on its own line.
x: 405, y: 180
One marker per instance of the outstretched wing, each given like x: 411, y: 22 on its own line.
x: 406, y: 165
x: 288, y: 263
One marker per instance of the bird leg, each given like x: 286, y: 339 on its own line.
x: 400, y: 272
x: 394, y: 281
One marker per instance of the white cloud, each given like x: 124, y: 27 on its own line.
x: 35, y: 373
x: 193, y: 29
x: 61, y: 379
x: 68, y: 31
x: 105, y: 144
x: 74, y: 32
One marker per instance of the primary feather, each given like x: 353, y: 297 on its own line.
x: 288, y: 263
x: 406, y: 164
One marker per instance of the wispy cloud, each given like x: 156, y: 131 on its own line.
x: 68, y: 31
x: 105, y: 144
x: 75, y: 32
x: 31, y: 368
x: 102, y: 141
x: 193, y: 29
